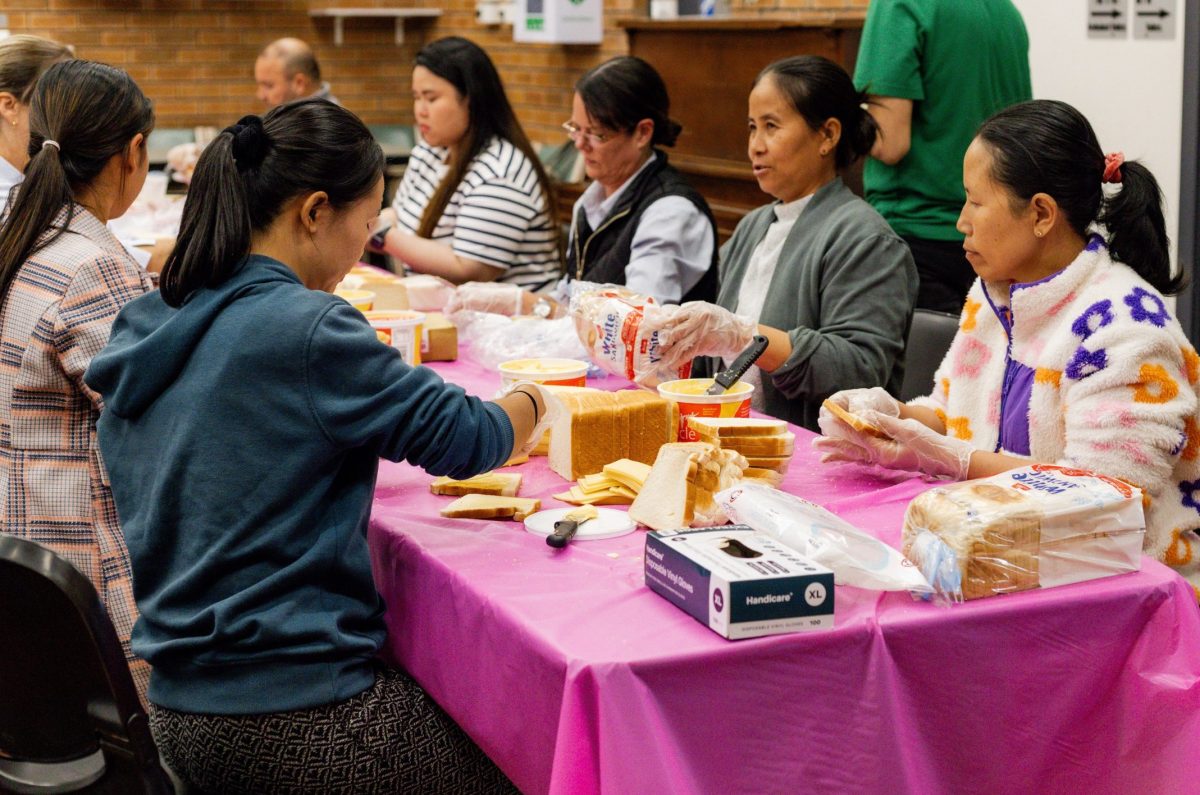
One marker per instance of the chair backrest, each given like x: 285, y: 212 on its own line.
x: 929, y: 338
x: 67, y: 691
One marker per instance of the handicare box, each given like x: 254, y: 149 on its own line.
x: 739, y: 582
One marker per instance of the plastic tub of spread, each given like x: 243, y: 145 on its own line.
x: 555, y: 372
x: 401, y: 329
x: 362, y: 300
x: 689, y: 395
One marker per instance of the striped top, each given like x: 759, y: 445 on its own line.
x: 498, y: 215
x: 54, y: 489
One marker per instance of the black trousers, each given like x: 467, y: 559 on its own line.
x: 945, y: 274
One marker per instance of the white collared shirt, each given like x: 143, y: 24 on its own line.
x: 672, y: 246
x: 756, y: 282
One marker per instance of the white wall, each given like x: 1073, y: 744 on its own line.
x: 1130, y: 90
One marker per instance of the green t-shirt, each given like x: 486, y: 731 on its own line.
x: 959, y: 61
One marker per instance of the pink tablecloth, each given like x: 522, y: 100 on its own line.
x: 576, y: 678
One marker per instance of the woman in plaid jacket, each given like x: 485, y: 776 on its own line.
x: 63, y: 278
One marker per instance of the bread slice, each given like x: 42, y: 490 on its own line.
x: 667, y: 500
x: 779, y: 445
x: 721, y: 427
x: 484, y: 506
x: 767, y: 476
x: 853, y: 420
x: 505, y: 484
x: 773, y: 462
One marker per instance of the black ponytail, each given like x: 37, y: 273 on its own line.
x: 250, y: 171
x: 820, y: 90
x: 1046, y: 146
x: 1137, y: 231
x: 81, y: 114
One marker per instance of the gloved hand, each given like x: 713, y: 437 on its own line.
x: 552, y: 409
x: 857, y: 401
x: 699, y: 328
x: 498, y: 298
x: 909, y: 445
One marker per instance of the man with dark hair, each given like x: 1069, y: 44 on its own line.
x: 287, y: 69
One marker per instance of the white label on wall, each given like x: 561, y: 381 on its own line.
x: 1154, y: 19
x: 1107, y: 19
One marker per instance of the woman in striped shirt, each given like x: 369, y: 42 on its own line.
x: 475, y: 203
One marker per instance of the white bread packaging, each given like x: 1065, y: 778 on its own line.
x: 618, y: 329
x: 1034, y: 527
x: 738, y: 582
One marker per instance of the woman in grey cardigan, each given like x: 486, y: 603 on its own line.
x: 818, y: 272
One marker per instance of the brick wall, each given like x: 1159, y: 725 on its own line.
x: 195, y: 58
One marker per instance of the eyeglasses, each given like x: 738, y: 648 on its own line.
x: 595, y: 139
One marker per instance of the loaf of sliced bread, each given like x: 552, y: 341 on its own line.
x: 598, y: 428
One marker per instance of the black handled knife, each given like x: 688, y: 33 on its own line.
x: 564, y: 528
x: 729, y: 377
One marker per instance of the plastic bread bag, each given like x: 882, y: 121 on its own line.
x: 618, y: 328
x: 495, y: 338
x: 1034, y: 527
x: 856, y: 558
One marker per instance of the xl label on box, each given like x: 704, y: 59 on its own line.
x: 739, y: 582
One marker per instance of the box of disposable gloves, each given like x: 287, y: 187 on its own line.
x: 738, y: 582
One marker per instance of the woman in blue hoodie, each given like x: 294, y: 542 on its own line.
x: 246, y: 409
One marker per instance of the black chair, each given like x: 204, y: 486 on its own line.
x: 929, y: 338
x: 70, y: 718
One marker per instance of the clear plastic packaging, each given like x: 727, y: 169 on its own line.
x: 619, y: 330
x: 494, y: 339
x: 1034, y: 527
x: 856, y: 558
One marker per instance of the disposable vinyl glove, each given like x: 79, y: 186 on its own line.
x: 699, y: 328
x: 553, y: 409
x: 857, y: 401
x: 497, y: 298
x: 910, y: 446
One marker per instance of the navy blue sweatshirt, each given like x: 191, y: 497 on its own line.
x: 242, y: 434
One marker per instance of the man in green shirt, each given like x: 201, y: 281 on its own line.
x: 935, y: 70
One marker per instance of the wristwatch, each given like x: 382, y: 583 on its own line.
x: 542, y: 308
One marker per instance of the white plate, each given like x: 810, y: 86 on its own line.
x: 608, y: 524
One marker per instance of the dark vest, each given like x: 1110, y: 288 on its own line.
x: 600, y: 255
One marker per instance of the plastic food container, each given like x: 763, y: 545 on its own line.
x: 401, y: 329
x: 689, y: 395
x: 362, y: 300
x: 555, y: 372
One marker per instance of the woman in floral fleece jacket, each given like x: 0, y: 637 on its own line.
x: 1066, y: 351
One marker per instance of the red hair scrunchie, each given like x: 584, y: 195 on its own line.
x: 1112, y: 166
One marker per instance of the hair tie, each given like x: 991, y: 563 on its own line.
x: 49, y: 142
x: 1112, y: 166
x: 250, y: 141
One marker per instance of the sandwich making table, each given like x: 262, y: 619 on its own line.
x: 576, y: 678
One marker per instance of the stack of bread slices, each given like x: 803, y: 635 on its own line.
x: 767, y: 444
x: 617, y: 483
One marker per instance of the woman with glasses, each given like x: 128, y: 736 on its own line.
x: 475, y: 203
x: 639, y: 223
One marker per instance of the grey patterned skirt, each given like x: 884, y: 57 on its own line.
x: 391, y: 738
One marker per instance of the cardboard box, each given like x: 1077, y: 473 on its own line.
x: 439, y: 339
x: 739, y: 582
